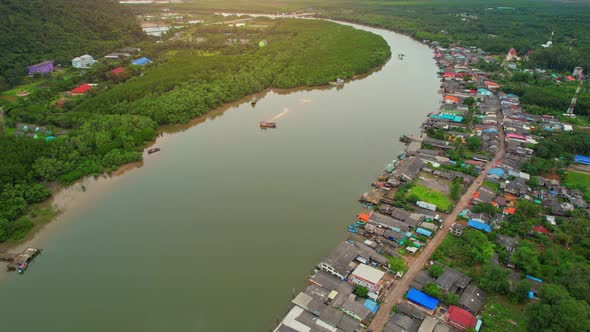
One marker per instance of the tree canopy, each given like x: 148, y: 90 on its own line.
x: 36, y: 30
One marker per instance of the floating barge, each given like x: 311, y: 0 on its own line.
x: 20, y: 262
x: 267, y: 124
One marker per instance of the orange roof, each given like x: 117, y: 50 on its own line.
x: 452, y: 98
x: 475, y: 195
x: 364, y: 217
x: 510, y: 210
x: 510, y: 197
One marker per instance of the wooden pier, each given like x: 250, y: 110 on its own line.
x: 16, y: 261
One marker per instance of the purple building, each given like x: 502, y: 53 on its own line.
x: 41, y: 68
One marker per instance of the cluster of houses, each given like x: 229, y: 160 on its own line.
x: 506, y: 183
x: 471, y: 106
x: 329, y: 302
x: 37, y: 132
x: 419, y: 312
x: 86, y: 61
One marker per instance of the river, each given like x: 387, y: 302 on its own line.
x: 217, y: 230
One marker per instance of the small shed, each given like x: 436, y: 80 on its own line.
x: 141, y: 61
x: 424, y: 232
x: 117, y: 71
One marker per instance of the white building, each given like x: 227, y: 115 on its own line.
x: 368, y: 277
x: 83, y: 61
x: 154, y: 29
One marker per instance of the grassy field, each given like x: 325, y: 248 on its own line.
x: 499, y: 314
x: 18, y: 88
x: 492, y: 186
x: 452, y: 252
x: 443, y: 202
x: 580, y: 181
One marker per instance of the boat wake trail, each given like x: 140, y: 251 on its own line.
x: 282, y: 114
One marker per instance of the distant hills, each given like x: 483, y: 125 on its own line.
x: 35, y: 30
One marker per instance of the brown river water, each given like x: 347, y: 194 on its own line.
x: 217, y: 230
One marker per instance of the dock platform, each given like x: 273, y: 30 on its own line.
x: 16, y: 261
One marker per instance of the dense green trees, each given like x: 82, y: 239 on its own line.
x: 36, y: 30
x: 361, y: 291
x: 109, y: 126
x: 397, y: 264
x: 436, y: 270
x: 495, y: 26
x: 494, y: 278
x: 557, y: 311
x: 189, y: 85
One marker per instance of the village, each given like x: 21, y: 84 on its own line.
x: 462, y: 175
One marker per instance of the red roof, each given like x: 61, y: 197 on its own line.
x: 117, y: 71
x: 475, y: 195
x: 541, y: 230
x: 512, y: 51
x: 460, y: 317
x: 515, y: 136
x: 81, y: 89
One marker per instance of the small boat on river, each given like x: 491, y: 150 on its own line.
x: 267, y: 124
x: 253, y: 101
x: 153, y: 150
x: 22, y: 267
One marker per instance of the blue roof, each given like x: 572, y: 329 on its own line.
x: 534, y: 279
x: 371, y: 305
x: 454, y: 118
x: 490, y: 130
x: 478, y: 325
x: 484, y: 92
x: 141, y: 61
x: 497, y: 171
x: 582, y: 159
x: 422, y: 299
x: 424, y: 232
x: 479, y: 225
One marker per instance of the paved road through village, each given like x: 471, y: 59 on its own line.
x: 397, y: 292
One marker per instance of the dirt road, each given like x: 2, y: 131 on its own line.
x: 397, y: 292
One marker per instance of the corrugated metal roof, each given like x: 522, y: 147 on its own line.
x: 422, y: 299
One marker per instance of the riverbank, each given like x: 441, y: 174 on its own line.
x: 237, y: 198
x: 63, y: 197
x: 390, y: 274
x: 124, y: 155
x: 400, y: 227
